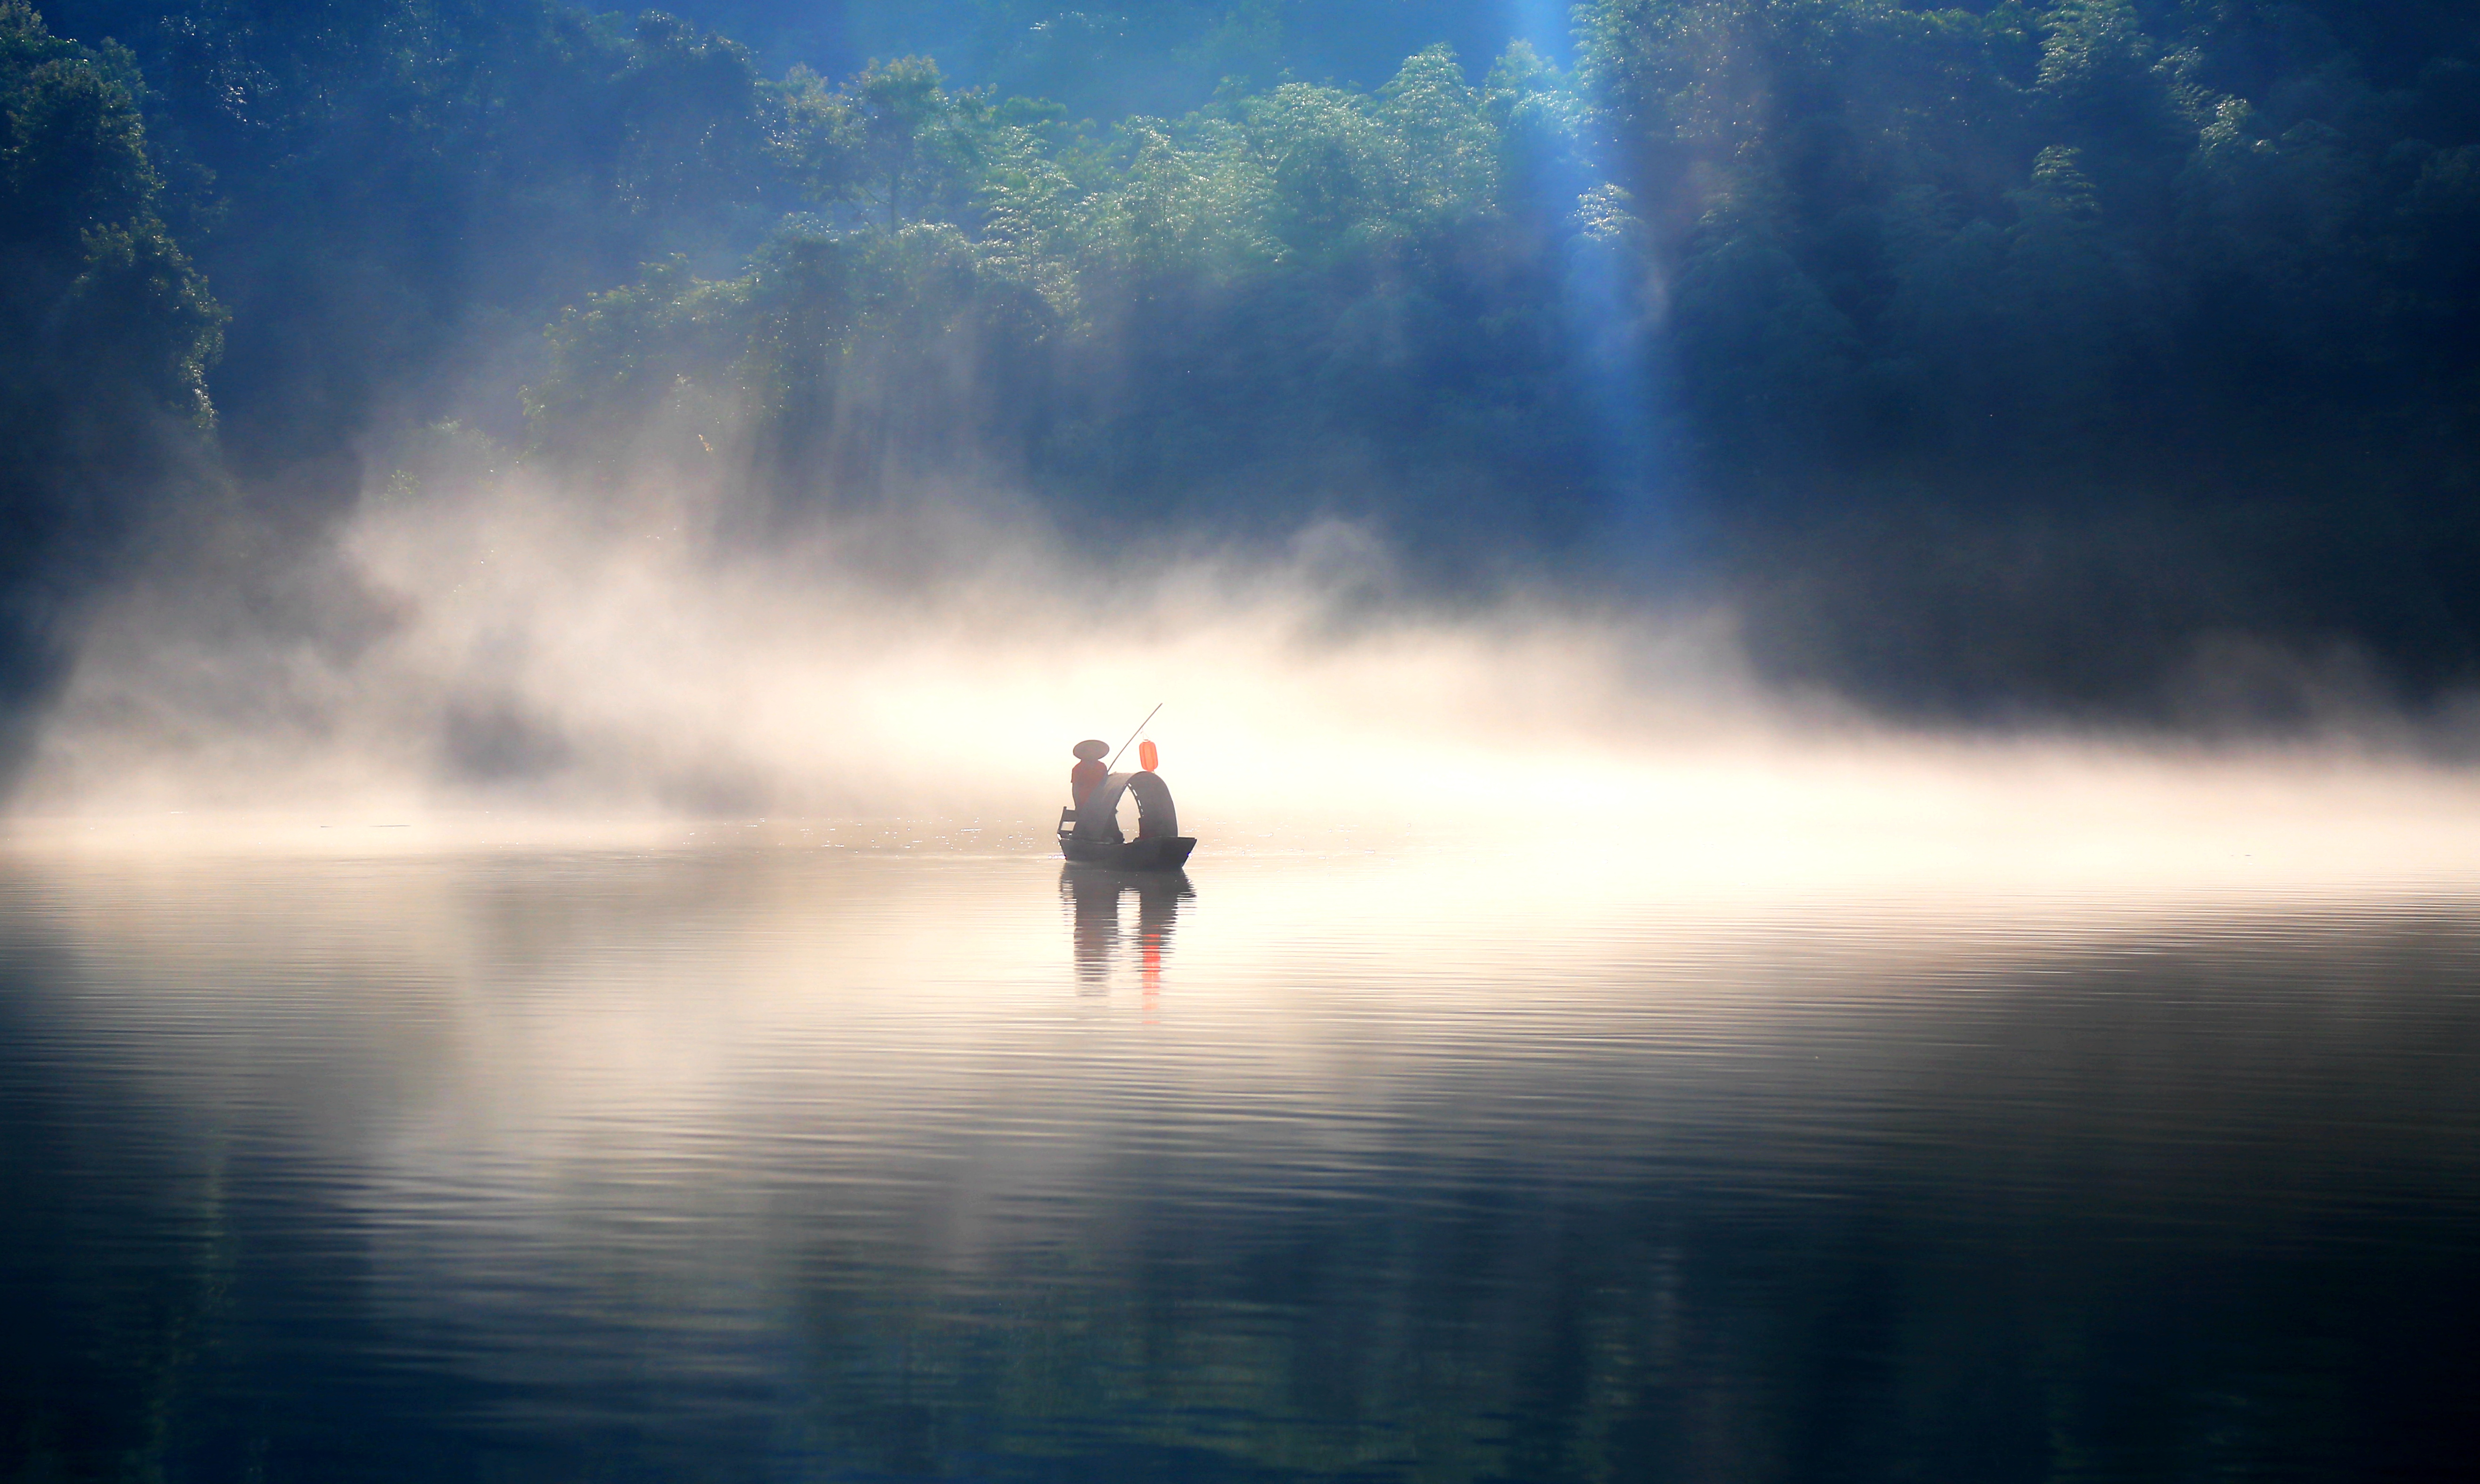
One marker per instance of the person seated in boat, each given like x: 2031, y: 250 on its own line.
x: 1089, y: 772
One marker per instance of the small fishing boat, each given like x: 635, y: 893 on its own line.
x: 1090, y: 835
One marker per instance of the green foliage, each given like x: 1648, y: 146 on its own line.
x: 1767, y: 269
x: 2047, y: 227
x: 106, y: 334
x: 1109, y: 61
x: 92, y: 273
x: 893, y: 142
x: 692, y: 133
x: 631, y: 350
x: 1260, y: 296
x: 2023, y: 267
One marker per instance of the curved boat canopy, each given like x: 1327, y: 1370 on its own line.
x: 1098, y: 818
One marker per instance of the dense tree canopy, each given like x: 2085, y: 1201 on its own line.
x: 1109, y: 61
x: 1991, y: 358
x: 106, y: 333
x: 1288, y: 301
x: 2071, y: 306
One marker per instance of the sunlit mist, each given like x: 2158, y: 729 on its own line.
x: 537, y: 664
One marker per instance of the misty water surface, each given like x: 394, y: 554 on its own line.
x: 886, y: 1153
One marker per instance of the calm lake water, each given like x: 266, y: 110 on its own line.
x: 910, y: 1156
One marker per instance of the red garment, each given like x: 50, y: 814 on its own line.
x: 1083, y: 777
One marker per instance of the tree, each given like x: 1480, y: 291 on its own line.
x: 892, y: 142
x: 106, y: 334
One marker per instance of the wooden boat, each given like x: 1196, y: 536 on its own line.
x: 1090, y: 834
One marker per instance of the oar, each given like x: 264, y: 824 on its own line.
x: 1132, y: 736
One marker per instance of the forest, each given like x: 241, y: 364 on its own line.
x: 2114, y: 362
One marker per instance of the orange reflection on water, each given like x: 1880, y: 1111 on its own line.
x: 1093, y: 894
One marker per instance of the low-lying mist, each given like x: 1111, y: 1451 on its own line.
x: 509, y: 651
x: 516, y: 640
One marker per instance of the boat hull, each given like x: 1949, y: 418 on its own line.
x: 1163, y: 853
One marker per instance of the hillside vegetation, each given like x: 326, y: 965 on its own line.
x: 1996, y: 360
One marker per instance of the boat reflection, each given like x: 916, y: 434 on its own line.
x: 1093, y: 894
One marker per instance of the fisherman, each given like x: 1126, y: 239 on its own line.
x: 1089, y: 772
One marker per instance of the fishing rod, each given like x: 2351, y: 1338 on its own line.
x: 1132, y: 736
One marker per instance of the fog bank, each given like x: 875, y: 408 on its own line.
x: 507, y: 654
